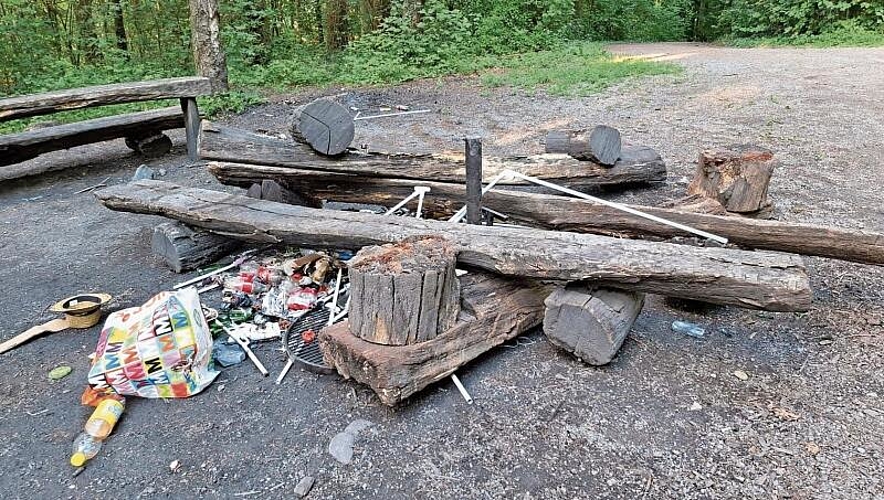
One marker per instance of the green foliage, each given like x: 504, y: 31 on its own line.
x: 793, y: 19
x: 843, y: 34
x: 575, y: 70
x: 636, y: 20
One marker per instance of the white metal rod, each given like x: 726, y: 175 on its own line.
x: 462, y: 389
x: 285, y: 371
x: 420, y: 205
x: 623, y: 208
x: 239, y: 260
x: 401, y: 113
x: 403, y: 202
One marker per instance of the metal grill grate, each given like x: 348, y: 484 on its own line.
x: 301, y: 347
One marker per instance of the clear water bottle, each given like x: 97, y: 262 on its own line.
x: 97, y: 429
x: 689, y: 329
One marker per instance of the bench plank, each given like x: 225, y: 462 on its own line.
x: 15, y: 148
x: 63, y: 100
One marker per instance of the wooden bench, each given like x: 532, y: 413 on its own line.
x: 15, y: 148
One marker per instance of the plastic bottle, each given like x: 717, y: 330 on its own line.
x: 251, y: 271
x: 243, y: 285
x: 689, y: 329
x: 97, y: 429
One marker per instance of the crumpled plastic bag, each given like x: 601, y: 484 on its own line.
x: 162, y: 349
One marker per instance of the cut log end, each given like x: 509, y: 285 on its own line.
x: 605, y: 145
x: 325, y: 125
x: 591, y: 324
x: 404, y: 293
x: 184, y: 249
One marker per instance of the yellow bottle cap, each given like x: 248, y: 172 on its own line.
x: 78, y: 459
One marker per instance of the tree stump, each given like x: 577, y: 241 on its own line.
x: 325, y: 125
x: 591, y: 324
x: 738, y: 178
x: 603, y: 145
x: 404, y: 293
x: 184, y: 249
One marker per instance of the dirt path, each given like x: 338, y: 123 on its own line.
x: 809, y: 422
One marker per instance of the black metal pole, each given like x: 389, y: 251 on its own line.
x: 473, y: 156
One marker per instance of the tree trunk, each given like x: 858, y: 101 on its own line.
x: 208, y: 54
x: 120, y: 28
x: 738, y: 179
x: 404, y: 293
x: 495, y: 310
x: 753, y: 280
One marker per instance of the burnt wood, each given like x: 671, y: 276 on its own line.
x: 185, y: 249
x: 494, y: 310
x: 590, y: 323
x: 637, y: 165
x: 569, y: 214
x: 325, y: 125
x: 756, y: 280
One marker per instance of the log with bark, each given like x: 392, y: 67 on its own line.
x: 493, y: 310
x: 638, y: 165
x: 603, y: 144
x: 754, y: 280
x: 325, y: 126
x: 738, y: 178
x: 569, y: 214
x: 404, y: 293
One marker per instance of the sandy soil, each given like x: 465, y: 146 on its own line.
x: 808, y: 423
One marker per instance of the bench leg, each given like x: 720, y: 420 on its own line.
x: 191, y: 126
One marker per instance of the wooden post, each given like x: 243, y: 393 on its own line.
x: 191, y: 126
x: 205, y: 26
x: 473, y: 160
x: 404, y: 293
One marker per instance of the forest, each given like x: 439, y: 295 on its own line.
x: 277, y: 44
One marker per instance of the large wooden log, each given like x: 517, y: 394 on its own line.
x: 754, y: 280
x: 569, y: 214
x: 738, y: 179
x: 494, y: 310
x: 63, y: 100
x: 15, y: 148
x: 404, y: 293
x: 325, y: 125
x: 638, y: 165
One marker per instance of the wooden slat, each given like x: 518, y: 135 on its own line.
x: 101, y: 95
x: 15, y: 148
x: 756, y: 280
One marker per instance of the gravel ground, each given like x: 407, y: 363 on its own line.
x: 667, y: 419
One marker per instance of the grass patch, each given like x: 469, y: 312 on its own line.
x: 572, y: 70
x: 844, y: 35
